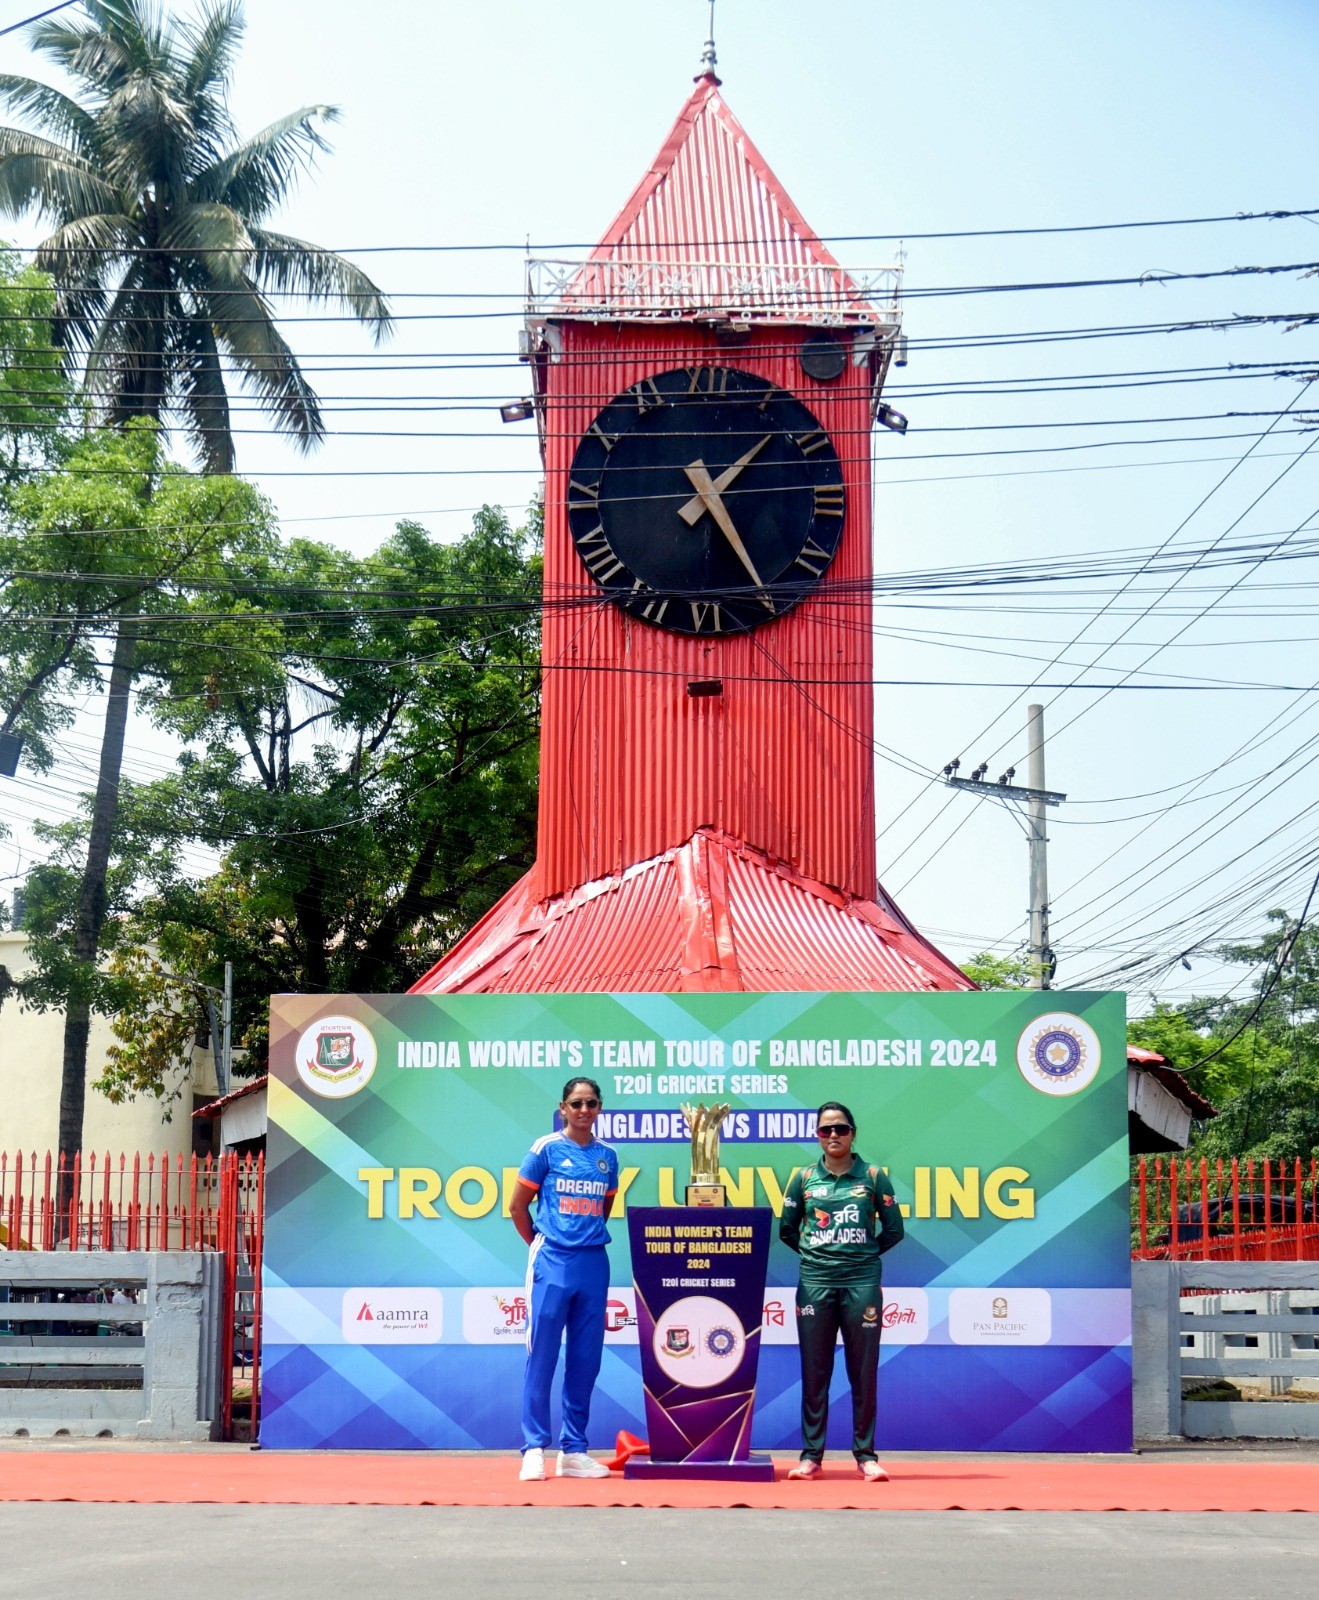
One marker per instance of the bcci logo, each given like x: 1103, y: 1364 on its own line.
x: 335, y: 1057
x: 1058, y: 1054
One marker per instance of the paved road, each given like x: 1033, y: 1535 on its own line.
x: 129, y: 1552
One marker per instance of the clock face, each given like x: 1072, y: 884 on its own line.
x: 706, y: 500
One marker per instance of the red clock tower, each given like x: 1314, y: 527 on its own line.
x: 706, y: 383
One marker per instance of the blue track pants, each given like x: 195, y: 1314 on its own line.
x: 567, y: 1293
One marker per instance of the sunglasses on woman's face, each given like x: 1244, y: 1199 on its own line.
x: 583, y: 1105
x: 835, y: 1130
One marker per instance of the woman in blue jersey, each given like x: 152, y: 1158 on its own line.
x: 573, y: 1178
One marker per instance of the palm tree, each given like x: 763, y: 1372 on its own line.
x: 163, y: 268
x: 161, y: 259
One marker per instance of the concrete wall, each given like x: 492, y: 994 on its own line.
x: 1171, y: 1330
x: 175, y: 1296
x: 31, y: 1060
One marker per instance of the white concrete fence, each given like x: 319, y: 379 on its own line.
x: 164, y: 1368
x: 1259, y: 1322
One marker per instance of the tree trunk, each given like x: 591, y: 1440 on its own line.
x: 91, y: 900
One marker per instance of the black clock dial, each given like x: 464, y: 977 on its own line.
x: 706, y: 501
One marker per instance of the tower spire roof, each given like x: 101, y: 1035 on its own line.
x: 709, y: 63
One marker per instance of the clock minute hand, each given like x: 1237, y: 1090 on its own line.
x: 709, y: 499
x: 691, y: 512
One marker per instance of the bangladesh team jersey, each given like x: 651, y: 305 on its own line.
x: 573, y: 1183
x: 840, y: 1223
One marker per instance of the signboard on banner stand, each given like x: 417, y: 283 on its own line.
x: 394, y: 1309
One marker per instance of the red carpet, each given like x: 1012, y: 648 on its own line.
x: 1026, y: 1484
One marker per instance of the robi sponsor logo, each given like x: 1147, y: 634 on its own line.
x: 392, y: 1316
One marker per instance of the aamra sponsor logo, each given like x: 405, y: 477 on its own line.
x: 335, y: 1057
x: 1058, y: 1054
x: 392, y: 1316
x: 1000, y: 1316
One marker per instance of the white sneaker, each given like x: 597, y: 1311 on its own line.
x: 577, y: 1464
x: 532, y: 1469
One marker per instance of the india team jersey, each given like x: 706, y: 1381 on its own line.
x: 573, y: 1183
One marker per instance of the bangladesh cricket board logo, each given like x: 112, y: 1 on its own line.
x: 1058, y: 1054
x: 336, y: 1056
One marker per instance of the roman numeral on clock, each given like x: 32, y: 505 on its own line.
x: 609, y: 440
x: 707, y: 380
x: 654, y: 609
x: 703, y: 609
x: 829, y: 500
x: 600, y: 559
x: 647, y: 395
x: 809, y: 443
x: 590, y: 493
x: 813, y: 558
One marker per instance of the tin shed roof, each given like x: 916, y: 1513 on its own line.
x: 713, y: 914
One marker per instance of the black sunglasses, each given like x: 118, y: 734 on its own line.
x: 583, y: 1105
x: 834, y: 1130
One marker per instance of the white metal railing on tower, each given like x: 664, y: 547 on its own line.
x: 669, y: 290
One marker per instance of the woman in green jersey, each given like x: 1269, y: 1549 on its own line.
x: 840, y: 1216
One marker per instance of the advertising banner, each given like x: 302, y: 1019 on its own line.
x: 394, y: 1308
x: 699, y: 1273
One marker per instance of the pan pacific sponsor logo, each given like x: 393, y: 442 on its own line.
x: 335, y: 1057
x: 1000, y: 1316
x: 392, y: 1316
x: 1058, y: 1053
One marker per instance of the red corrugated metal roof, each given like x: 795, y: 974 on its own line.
x: 711, y: 226
x: 709, y: 190
x: 712, y: 914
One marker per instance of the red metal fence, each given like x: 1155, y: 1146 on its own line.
x: 1182, y: 1209
x: 155, y: 1203
x: 1185, y: 1209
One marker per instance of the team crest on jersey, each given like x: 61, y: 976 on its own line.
x: 859, y: 1190
x: 870, y: 1314
x: 602, y: 1165
x: 678, y: 1341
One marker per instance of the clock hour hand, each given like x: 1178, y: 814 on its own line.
x: 708, y: 496
x: 691, y: 512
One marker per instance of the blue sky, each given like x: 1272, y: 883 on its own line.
x: 486, y: 124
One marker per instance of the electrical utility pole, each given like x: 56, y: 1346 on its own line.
x: 1034, y: 797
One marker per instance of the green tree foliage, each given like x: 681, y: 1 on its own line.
x: 161, y: 253
x: 94, y: 557
x: 34, y: 393
x: 999, y: 972
x: 361, y: 751
x: 1263, y: 1077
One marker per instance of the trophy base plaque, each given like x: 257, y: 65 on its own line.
x: 706, y: 1194
x: 758, y: 1467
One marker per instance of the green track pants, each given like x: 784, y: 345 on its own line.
x: 856, y: 1308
